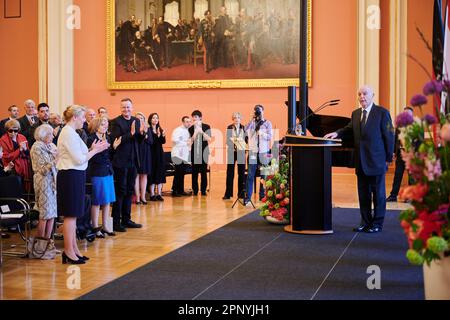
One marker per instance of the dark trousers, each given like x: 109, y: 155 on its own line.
x: 230, y: 178
x: 202, y: 170
x: 165, y: 53
x: 125, y: 179
x: 372, y: 188
x: 178, y: 179
x: 398, y: 177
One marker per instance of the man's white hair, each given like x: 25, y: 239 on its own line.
x: 30, y: 102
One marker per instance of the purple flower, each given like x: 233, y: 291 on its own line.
x: 433, y: 87
x: 404, y: 119
x: 430, y: 119
x: 419, y: 100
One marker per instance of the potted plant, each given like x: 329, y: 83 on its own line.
x: 276, y: 200
x: 426, y: 152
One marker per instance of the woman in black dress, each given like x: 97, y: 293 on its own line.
x: 158, y: 171
x: 145, y: 162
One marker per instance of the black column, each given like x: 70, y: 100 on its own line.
x: 303, y: 62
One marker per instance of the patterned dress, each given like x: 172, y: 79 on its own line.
x: 44, y: 166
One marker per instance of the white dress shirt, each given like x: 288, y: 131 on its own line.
x: 181, y: 143
x: 72, y: 151
x: 368, y: 109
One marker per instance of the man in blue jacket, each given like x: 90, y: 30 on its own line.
x: 373, y: 135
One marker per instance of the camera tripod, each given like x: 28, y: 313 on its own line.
x: 241, y: 199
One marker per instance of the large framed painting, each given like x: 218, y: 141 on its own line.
x: 178, y: 44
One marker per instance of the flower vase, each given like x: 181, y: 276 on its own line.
x: 273, y: 220
x: 437, y: 279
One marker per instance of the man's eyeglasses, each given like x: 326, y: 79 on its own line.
x: 13, y: 130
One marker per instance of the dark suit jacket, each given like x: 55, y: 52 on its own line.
x: 25, y: 126
x: 100, y: 165
x: 196, y: 157
x: 31, y: 139
x: 374, y: 146
x: 127, y: 154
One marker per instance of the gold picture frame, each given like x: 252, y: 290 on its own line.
x: 113, y: 84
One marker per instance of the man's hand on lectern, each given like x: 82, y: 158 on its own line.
x: 333, y: 135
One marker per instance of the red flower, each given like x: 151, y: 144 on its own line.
x: 415, y: 192
x: 428, y: 224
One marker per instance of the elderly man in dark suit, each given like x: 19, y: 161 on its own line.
x: 29, y: 119
x: 129, y: 131
x: 373, y: 134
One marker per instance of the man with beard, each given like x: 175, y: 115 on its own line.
x: 43, y: 118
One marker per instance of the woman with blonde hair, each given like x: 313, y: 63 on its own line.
x: 73, y: 157
x: 144, y: 161
x: 43, y: 159
x: 101, y: 172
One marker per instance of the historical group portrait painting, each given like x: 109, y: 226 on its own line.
x: 165, y: 44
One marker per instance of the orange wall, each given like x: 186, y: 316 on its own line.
x: 420, y: 14
x: 19, y: 57
x: 334, y: 73
x: 384, y: 95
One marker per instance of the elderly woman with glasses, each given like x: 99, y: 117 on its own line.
x: 15, y: 150
x: 43, y: 159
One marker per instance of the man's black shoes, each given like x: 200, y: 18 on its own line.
x: 119, y: 228
x: 361, y: 228
x: 373, y: 230
x: 368, y: 229
x: 132, y: 225
x: 391, y: 198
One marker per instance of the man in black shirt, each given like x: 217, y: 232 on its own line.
x: 125, y: 159
x: 201, y: 136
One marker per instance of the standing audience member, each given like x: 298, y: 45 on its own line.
x: 201, y: 136
x: 72, y: 162
x: 13, y: 114
x: 43, y: 160
x: 43, y: 118
x: 125, y: 160
x: 90, y: 115
x: 100, y: 170
x: 103, y: 112
x: 15, y: 150
x: 181, y: 145
x: 235, y: 153
x: 29, y: 119
x: 158, y: 170
x: 399, y: 164
x: 145, y: 161
x: 260, y: 134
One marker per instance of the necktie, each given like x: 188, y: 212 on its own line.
x: 364, y: 120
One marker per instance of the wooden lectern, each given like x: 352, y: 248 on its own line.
x: 310, y: 181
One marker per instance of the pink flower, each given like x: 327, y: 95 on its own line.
x: 433, y: 169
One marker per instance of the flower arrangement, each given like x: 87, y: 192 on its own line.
x: 426, y: 152
x: 276, y: 200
